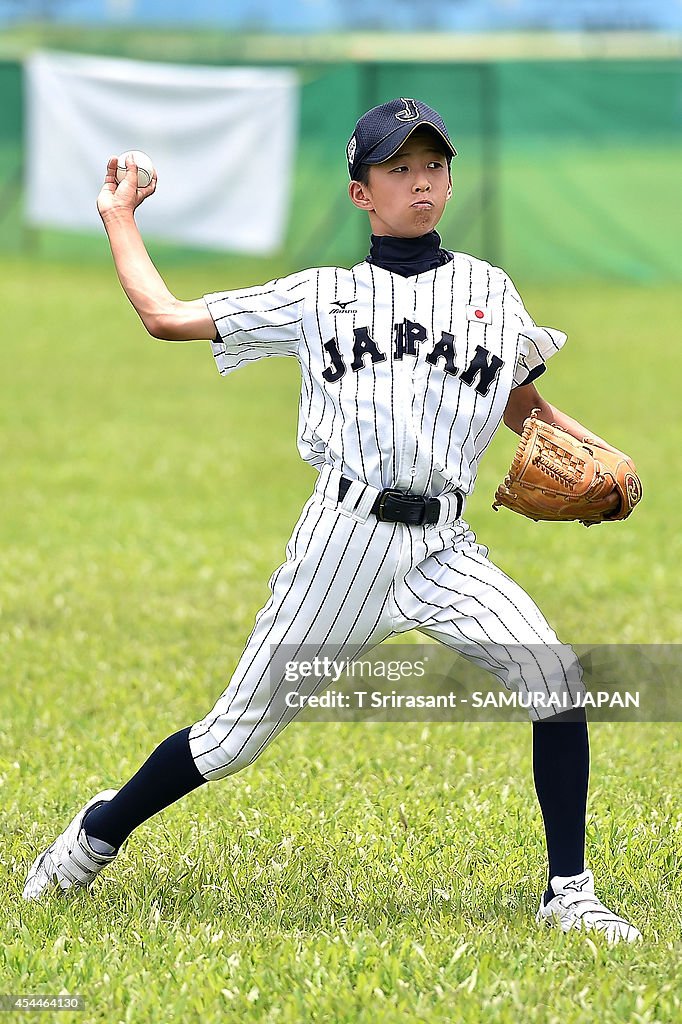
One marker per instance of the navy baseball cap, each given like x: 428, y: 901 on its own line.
x: 380, y: 132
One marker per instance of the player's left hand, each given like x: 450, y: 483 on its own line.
x: 125, y: 195
x: 556, y: 476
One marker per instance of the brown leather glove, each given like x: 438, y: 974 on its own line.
x: 554, y: 476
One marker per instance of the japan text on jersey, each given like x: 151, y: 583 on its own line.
x: 404, y: 380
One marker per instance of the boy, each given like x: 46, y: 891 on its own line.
x: 409, y: 360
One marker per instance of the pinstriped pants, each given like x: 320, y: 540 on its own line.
x: 350, y: 581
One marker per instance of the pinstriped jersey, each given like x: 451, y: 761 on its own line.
x: 403, y: 380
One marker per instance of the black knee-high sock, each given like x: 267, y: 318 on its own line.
x: 168, y: 774
x: 561, y: 768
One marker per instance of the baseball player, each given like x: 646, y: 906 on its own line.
x: 409, y: 362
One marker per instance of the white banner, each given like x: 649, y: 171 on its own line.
x: 222, y: 140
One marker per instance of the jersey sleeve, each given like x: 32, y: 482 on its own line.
x: 536, y: 344
x: 253, y: 323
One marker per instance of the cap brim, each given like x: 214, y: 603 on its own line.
x: 389, y: 147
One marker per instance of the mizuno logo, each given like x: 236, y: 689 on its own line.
x: 578, y: 884
x: 341, y: 307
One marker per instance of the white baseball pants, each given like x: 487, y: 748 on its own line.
x: 350, y: 581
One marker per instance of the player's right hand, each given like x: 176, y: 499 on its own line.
x: 125, y: 195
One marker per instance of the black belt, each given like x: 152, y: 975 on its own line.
x: 392, y: 506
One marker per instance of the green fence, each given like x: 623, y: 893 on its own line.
x: 566, y: 169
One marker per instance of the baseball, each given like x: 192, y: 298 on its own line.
x: 145, y: 167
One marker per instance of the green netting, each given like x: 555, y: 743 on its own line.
x: 10, y: 153
x: 565, y: 169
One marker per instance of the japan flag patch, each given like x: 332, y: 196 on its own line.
x: 479, y: 314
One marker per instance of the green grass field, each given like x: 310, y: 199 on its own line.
x: 375, y: 873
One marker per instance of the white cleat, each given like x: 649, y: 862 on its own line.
x: 69, y: 862
x: 576, y: 906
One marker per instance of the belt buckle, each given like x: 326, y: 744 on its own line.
x: 385, y: 494
x: 409, y: 499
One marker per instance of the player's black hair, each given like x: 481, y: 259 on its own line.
x: 362, y: 173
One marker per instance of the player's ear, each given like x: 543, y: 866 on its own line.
x: 359, y: 196
x: 448, y: 194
